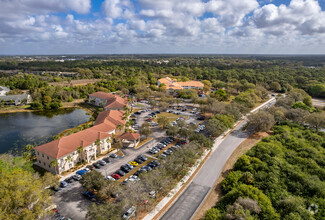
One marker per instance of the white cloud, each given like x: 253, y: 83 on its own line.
x: 161, y: 26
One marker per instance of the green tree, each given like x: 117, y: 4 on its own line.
x: 172, y: 130
x: 318, y: 90
x: 261, y: 121
x: 93, y: 181
x: 54, y: 163
x: 163, y: 121
x: 145, y: 129
x: 22, y: 193
x: 275, y: 86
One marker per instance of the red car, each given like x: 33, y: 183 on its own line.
x: 55, y: 210
x: 116, y: 176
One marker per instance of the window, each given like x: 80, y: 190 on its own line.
x: 37, y: 153
x: 48, y: 157
x: 42, y: 155
x: 44, y: 163
x: 39, y: 161
x: 49, y: 166
x: 74, y: 153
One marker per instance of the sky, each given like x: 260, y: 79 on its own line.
x: 45, y: 27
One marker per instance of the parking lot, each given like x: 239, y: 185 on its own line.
x: 69, y: 200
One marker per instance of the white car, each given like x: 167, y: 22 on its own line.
x: 129, y: 213
x: 109, y: 178
x: 133, y: 178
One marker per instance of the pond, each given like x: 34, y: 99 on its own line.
x: 22, y: 128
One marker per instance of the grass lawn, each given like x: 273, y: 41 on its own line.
x: 171, y: 117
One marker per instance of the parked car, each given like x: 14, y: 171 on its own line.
x: 201, y: 118
x: 125, y: 169
x: 91, y: 167
x: 138, y: 160
x: 86, y: 169
x: 69, y: 180
x: 152, y: 193
x: 96, y: 165
x: 76, y: 177
x: 120, y: 172
x: 116, y: 176
x: 107, y: 160
x: 129, y: 213
x: 102, y: 162
x: 63, y: 184
x: 133, y: 178
x: 142, y: 157
x: 133, y: 163
x: 81, y: 172
x: 89, y: 195
x: 138, y: 172
x: 109, y: 178
x: 113, y: 155
x: 129, y: 165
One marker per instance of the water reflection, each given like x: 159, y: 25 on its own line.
x: 19, y: 129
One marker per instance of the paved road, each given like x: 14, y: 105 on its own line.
x: 189, y: 201
x: 318, y: 102
x: 186, y: 205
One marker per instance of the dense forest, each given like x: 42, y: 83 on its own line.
x: 282, y: 177
x: 226, y: 76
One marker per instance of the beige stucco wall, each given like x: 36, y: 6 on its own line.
x: 89, y: 152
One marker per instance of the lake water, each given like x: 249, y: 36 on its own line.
x: 22, y: 128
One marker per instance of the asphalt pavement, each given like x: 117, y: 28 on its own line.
x: 190, y: 200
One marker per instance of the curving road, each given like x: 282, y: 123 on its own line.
x: 190, y: 200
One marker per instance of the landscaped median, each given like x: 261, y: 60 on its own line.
x: 143, y: 142
x: 171, y: 117
x: 127, y: 175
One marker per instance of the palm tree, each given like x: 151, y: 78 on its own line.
x: 119, y: 127
x: 68, y: 159
x: 80, y: 151
x: 54, y: 163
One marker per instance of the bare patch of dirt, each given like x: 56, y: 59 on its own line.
x: 216, y: 193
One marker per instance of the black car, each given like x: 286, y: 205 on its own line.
x: 96, y: 165
x: 69, y: 180
x: 138, y: 172
x: 142, y: 157
x: 201, y: 118
x: 120, y: 172
x: 138, y: 160
x: 107, y: 160
x: 173, y: 148
x: 125, y: 168
x: 157, y: 112
x: 137, y: 113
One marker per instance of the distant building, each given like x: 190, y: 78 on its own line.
x: 108, y: 101
x: 16, y: 99
x: 172, y: 84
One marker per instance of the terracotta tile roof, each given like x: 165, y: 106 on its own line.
x: 113, y: 101
x: 174, y: 85
x: 166, y: 80
x: 130, y: 136
x: 191, y: 83
x: 105, y: 122
x: 66, y: 145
